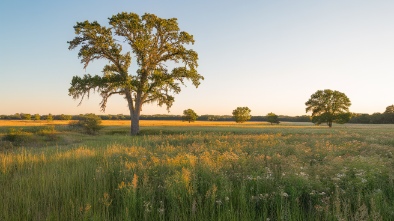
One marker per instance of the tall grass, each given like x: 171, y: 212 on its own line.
x: 252, y: 172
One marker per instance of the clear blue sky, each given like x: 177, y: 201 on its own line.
x: 267, y: 55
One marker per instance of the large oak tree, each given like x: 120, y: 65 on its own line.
x: 156, y: 44
x: 328, y: 106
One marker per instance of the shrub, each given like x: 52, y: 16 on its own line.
x: 49, y: 133
x: 90, y: 123
x: 18, y: 137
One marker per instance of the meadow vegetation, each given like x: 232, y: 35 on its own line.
x: 198, y: 171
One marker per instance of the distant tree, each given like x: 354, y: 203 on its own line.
x: 156, y: 44
x: 25, y: 116
x: 328, y: 106
x: 16, y: 116
x: 241, y: 114
x: 189, y: 115
x: 104, y: 117
x: 389, y: 109
x: 272, y: 118
x: 49, y: 117
x: 65, y: 117
x: 36, y: 117
x: 121, y: 117
x: 360, y: 118
x: 212, y: 118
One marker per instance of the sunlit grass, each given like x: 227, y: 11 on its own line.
x: 203, y: 171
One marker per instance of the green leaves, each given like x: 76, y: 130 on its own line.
x: 241, y: 114
x: 189, y: 115
x: 329, y: 106
x: 272, y: 118
x: 389, y: 109
x: 156, y: 43
x: 82, y: 86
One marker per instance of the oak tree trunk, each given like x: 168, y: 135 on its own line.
x: 135, y: 112
x: 135, y: 123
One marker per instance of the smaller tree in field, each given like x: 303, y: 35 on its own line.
x: 328, y: 106
x: 241, y: 114
x: 272, y: 118
x: 189, y: 115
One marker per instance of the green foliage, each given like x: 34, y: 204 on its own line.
x: 154, y: 42
x: 36, y: 117
x: 25, y: 116
x: 389, y: 109
x: 48, y: 117
x: 189, y: 115
x: 89, y: 123
x: 328, y: 106
x: 18, y: 136
x: 256, y: 172
x: 272, y: 118
x: 375, y: 118
x: 241, y: 114
x: 65, y: 117
x: 31, y: 136
x: 16, y: 116
x: 211, y: 118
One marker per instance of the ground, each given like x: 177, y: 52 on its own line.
x: 199, y: 171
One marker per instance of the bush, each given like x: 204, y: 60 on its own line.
x: 90, y: 123
x: 18, y: 137
x: 49, y: 133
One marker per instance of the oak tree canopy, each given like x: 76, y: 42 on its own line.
x: 159, y: 47
x: 328, y: 106
x: 241, y: 114
x: 189, y: 115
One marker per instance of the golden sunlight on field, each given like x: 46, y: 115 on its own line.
x: 216, y: 169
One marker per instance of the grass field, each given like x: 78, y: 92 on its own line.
x: 198, y: 171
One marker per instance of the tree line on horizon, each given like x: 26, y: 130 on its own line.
x: 205, y: 117
x: 387, y: 117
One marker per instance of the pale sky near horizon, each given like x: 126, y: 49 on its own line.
x: 267, y: 55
